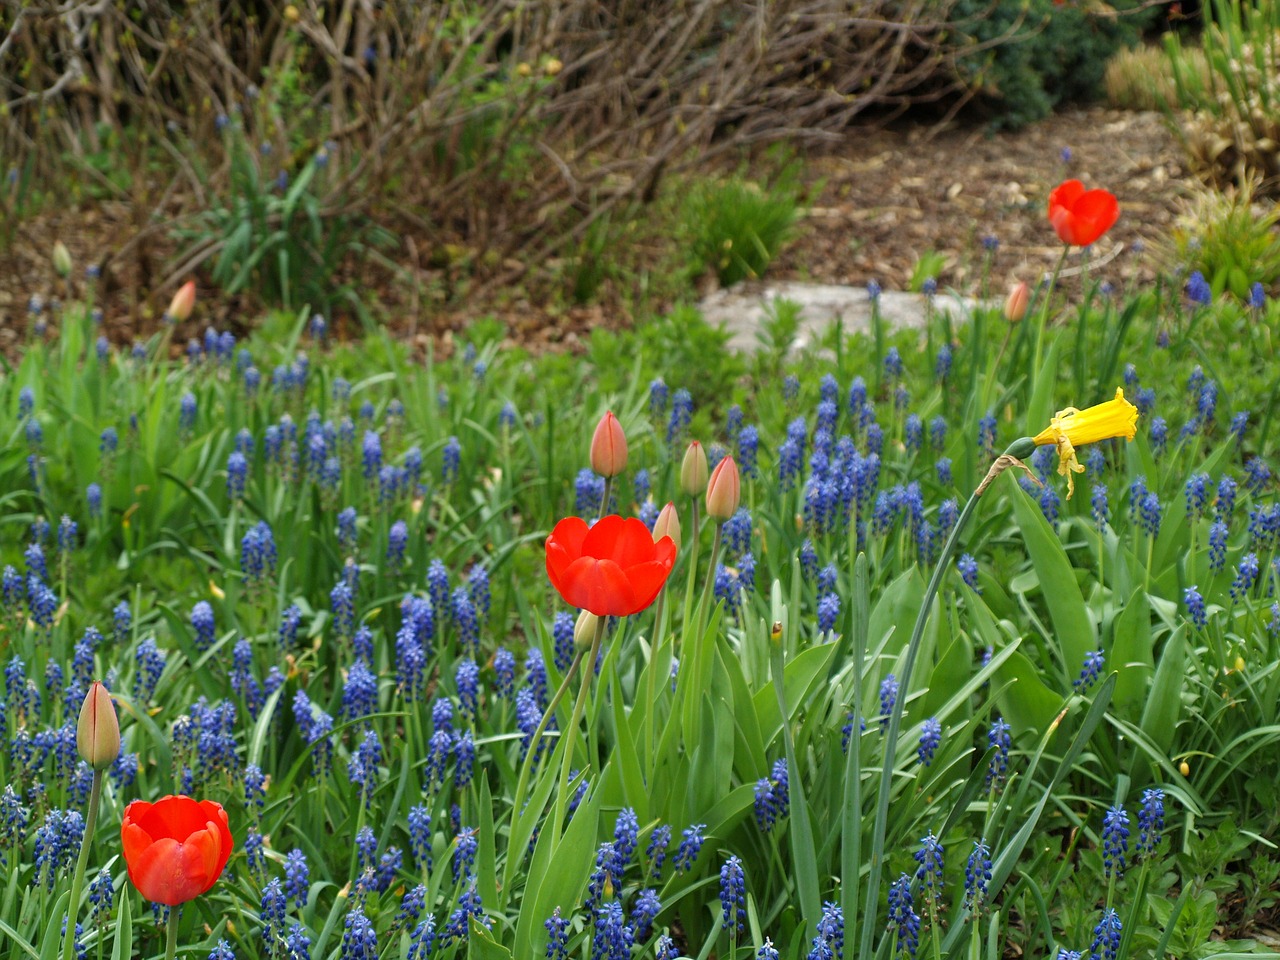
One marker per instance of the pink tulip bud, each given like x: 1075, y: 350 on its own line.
x: 693, y: 470
x: 98, y: 731
x: 1015, y: 305
x: 609, y: 447
x: 182, y: 303
x: 723, y: 492
x: 667, y: 525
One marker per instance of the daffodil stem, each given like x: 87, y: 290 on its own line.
x: 171, y: 934
x: 895, y: 715
x: 77, y: 881
x: 579, y: 706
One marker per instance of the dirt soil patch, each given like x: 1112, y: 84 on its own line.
x: 891, y: 195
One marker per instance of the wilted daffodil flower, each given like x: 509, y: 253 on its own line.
x: 1072, y: 428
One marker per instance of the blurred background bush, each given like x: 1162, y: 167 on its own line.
x: 283, y: 150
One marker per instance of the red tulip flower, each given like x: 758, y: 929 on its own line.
x: 1081, y: 216
x: 175, y: 848
x: 613, y: 569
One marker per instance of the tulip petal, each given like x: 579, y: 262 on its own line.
x: 664, y: 551
x: 175, y: 816
x: 569, y: 534
x: 1064, y: 225
x: 624, y: 541
x: 564, y: 546
x: 219, y: 823
x: 599, y: 586
x: 203, y: 856
x: 599, y: 541
x: 170, y: 872
x: 558, y: 558
x: 573, y: 586
x: 134, y: 840
x: 1065, y: 194
x: 1097, y: 212
x: 646, y: 580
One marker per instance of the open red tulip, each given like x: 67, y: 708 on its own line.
x: 1081, y: 216
x: 176, y: 848
x: 613, y: 569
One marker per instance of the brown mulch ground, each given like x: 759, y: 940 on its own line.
x: 886, y: 197
x: 891, y: 195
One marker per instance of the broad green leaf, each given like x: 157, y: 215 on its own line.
x: 626, y: 760
x: 898, y: 605
x: 953, y: 670
x: 1072, y: 628
x: 561, y: 874
x: 482, y: 946
x: 1131, y: 653
x: 1164, y: 706
x: 804, y: 859
x: 749, y: 750
x: 122, y: 946
x: 800, y: 675
x: 51, y: 945
x: 1027, y: 704
x: 19, y: 940
x: 1042, y: 405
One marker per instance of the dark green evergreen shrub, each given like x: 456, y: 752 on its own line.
x: 1031, y: 56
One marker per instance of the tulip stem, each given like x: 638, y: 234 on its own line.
x: 708, y: 588
x: 1043, y: 319
x: 171, y: 934
x: 655, y: 643
x: 566, y: 761
x: 77, y: 881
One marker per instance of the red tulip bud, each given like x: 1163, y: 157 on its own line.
x: 723, y: 492
x: 667, y: 525
x: 98, y: 732
x: 1015, y: 305
x: 693, y: 470
x: 183, y: 302
x: 609, y: 447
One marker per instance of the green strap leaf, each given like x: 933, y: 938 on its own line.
x: 1072, y: 628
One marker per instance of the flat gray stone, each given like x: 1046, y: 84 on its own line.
x: 744, y: 309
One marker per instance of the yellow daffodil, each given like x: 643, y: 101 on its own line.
x: 1072, y: 428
